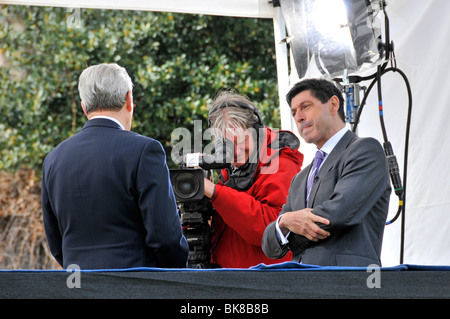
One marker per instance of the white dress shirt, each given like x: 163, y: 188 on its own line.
x: 108, y: 118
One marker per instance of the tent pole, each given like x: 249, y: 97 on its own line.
x: 282, y: 68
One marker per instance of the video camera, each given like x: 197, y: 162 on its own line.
x: 194, y: 207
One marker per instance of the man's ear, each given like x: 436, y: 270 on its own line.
x: 84, y: 109
x: 334, y: 104
x: 129, y: 103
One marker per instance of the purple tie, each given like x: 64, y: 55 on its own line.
x: 318, y: 159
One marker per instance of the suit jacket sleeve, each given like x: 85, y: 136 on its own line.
x: 159, y: 210
x: 51, y: 226
x: 271, y: 244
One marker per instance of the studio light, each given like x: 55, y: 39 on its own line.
x: 335, y: 37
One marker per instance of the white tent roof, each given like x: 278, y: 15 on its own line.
x: 236, y: 8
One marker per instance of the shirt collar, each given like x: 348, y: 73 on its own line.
x: 332, y: 142
x: 108, y: 118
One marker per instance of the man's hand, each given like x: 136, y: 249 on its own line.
x: 303, y: 222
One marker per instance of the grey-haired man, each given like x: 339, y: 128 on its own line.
x: 106, y: 194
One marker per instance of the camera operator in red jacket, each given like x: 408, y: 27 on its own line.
x: 250, y: 195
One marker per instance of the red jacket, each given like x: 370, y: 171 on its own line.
x: 242, y: 216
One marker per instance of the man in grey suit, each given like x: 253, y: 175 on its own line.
x: 340, y: 220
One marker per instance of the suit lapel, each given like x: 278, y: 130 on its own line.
x: 329, y: 163
x: 303, y: 180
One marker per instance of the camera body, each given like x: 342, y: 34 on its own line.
x: 195, y: 213
x: 195, y: 208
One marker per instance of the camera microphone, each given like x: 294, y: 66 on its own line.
x: 222, y: 158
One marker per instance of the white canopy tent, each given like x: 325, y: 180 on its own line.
x: 420, y: 32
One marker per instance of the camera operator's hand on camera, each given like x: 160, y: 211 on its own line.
x: 209, y: 188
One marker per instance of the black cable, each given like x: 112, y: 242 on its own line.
x: 402, y: 197
x: 388, y: 50
x: 357, y: 78
x: 380, y: 105
x: 408, y: 124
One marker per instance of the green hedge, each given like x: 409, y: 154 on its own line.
x: 178, y: 63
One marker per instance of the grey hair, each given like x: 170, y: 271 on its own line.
x: 226, y: 113
x: 104, y: 87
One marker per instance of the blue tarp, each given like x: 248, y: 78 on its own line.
x: 285, y: 266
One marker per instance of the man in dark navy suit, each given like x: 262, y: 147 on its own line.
x: 107, y: 198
